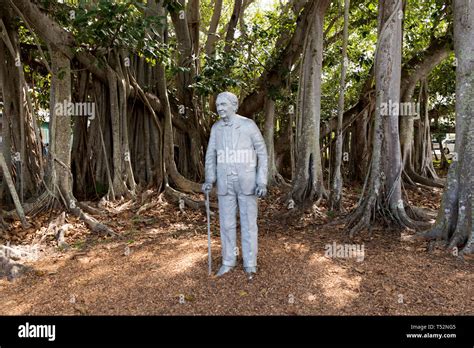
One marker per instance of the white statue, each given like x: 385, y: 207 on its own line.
x: 236, y: 158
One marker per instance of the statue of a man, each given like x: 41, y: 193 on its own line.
x: 236, y: 158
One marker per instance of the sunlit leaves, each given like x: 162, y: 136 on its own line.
x: 103, y: 25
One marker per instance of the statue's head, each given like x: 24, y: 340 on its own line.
x: 227, y: 105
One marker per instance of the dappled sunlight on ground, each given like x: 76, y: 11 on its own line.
x: 337, y: 285
x: 160, y: 267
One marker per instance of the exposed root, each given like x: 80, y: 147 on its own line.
x: 361, y: 217
x: 370, y: 209
x: 58, y: 228
x: 147, y: 206
x: 415, y: 178
x: 89, y: 209
x: 292, y: 214
x: 145, y: 197
x: 468, y: 249
x: 408, y: 180
x: 177, y: 197
x: 439, y: 233
x: 279, y: 180
x: 125, y: 206
x: 45, y: 202
x: 435, y: 243
x: 420, y: 213
x: 362, y: 224
x: 404, y: 220
x: 10, y: 269
x: 3, y: 225
x: 16, y: 200
x: 93, y: 224
x: 48, y: 202
x: 305, y: 197
x: 435, y: 233
x: 456, y: 241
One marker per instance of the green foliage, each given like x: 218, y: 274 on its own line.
x: 40, y: 89
x: 361, y: 49
x: 173, y: 5
x: 214, y: 76
x: 103, y: 25
x: 100, y: 26
x: 442, y: 87
x: 423, y: 20
x: 252, y: 50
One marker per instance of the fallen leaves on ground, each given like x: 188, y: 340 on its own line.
x: 160, y: 267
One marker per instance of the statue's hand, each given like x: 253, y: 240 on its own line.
x: 261, y: 191
x: 206, y: 187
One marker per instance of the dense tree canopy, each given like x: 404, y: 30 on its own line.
x: 149, y: 72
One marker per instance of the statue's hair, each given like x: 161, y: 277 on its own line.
x: 231, y: 97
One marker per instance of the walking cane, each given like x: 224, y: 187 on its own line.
x: 208, y: 232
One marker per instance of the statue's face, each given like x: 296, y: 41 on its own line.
x: 224, y: 107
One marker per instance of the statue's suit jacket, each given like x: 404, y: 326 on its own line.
x: 247, y: 138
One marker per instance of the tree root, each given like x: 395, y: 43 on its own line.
x: 145, y: 196
x: 279, y: 180
x: 89, y: 209
x: 414, y: 178
x: 369, y: 209
x: 468, y: 249
x: 92, y: 223
x: 147, y: 206
x: 47, y: 202
x: 420, y: 213
x: 44, y: 203
x: 439, y: 232
x: 3, y: 225
x: 433, y: 243
x: 176, y: 197
x: 358, y: 221
x: 406, y: 221
x: 11, y: 270
x: 58, y: 228
x: 436, y: 232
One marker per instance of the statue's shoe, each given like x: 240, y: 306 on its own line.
x: 223, y: 270
x: 250, y: 272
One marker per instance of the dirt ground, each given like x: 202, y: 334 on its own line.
x: 160, y: 267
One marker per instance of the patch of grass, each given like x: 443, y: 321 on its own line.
x: 63, y: 247
x: 331, y: 214
x: 80, y: 244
